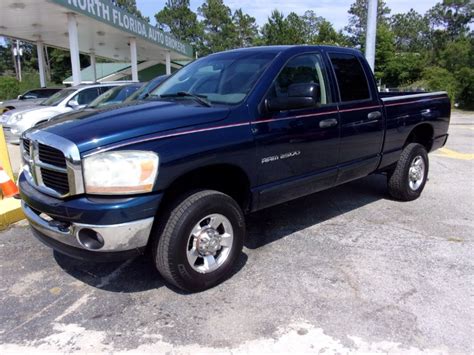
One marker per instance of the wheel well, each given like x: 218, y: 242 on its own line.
x: 228, y: 179
x: 422, y: 134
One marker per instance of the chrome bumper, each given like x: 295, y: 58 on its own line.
x: 116, y: 237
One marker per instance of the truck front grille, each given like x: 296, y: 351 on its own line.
x: 26, y: 146
x: 55, y: 180
x: 52, y: 164
x: 50, y: 155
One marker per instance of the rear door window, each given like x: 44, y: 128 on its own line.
x: 350, y: 75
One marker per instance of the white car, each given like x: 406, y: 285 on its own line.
x: 15, y: 122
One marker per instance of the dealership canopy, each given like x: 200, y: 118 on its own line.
x: 94, y: 27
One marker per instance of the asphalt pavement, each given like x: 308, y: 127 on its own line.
x: 344, y: 270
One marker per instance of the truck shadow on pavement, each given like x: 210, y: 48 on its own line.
x: 263, y: 227
x: 274, y: 223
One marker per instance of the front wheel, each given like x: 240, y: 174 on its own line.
x: 409, y: 177
x: 200, y: 241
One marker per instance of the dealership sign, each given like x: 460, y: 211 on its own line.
x: 105, y: 11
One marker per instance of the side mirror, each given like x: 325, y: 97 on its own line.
x: 73, y: 104
x: 303, y: 95
x: 20, y: 97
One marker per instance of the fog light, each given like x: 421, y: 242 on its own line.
x: 90, y: 239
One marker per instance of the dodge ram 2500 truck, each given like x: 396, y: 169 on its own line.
x: 229, y: 134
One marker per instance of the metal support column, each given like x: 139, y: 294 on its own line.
x: 74, y: 48
x: 40, y: 50
x: 94, y: 69
x: 168, y: 63
x: 133, y: 59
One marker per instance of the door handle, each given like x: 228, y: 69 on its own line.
x: 330, y: 122
x: 375, y: 115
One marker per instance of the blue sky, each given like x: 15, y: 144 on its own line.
x: 333, y: 10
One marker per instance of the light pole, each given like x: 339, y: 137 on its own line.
x: 18, y: 53
x: 371, y: 32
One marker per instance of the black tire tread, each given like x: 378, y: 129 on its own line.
x: 162, y: 244
x: 397, y: 180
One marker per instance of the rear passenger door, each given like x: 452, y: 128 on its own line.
x: 360, y: 113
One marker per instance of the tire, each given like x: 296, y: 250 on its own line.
x: 405, y: 183
x: 174, y: 247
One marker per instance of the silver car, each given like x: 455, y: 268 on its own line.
x: 15, y: 122
x: 29, y: 98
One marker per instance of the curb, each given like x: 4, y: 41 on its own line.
x: 10, y: 212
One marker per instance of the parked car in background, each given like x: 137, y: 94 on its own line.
x: 116, y: 95
x: 69, y: 99
x: 29, y: 98
x: 147, y: 88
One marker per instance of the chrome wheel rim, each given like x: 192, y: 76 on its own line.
x: 210, y: 243
x: 416, y: 173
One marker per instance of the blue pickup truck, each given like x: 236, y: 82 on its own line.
x: 227, y: 135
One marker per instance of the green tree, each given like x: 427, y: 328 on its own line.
x: 358, y: 19
x: 436, y: 78
x: 245, y: 27
x: 177, y: 18
x: 297, y: 29
x: 411, y: 31
x: 219, y: 30
x: 131, y: 7
x: 285, y: 31
x: 403, y: 69
x: 275, y: 29
x: 454, y: 16
x: 384, y: 50
x: 313, y: 26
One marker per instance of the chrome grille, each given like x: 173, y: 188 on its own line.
x: 26, y: 146
x: 52, y: 164
x: 55, y: 180
x: 50, y: 155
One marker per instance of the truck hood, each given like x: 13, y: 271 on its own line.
x: 94, y: 128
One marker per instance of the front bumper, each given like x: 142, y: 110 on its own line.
x: 123, y: 224
x: 119, y: 240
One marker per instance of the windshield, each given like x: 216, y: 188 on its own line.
x: 57, y: 98
x: 224, y: 78
x: 145, y: 90
x: 115, y: 95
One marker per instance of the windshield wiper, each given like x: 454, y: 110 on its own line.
x: 202, y: 99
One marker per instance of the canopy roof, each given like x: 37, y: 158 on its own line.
x: 103, y: 29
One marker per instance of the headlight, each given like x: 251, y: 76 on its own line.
x: 16, y: 117
x: 123, y: 172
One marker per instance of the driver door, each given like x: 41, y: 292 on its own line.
x: 297, y: 149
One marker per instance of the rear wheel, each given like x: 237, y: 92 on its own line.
x: 199, y: 243
x: 408, y: 179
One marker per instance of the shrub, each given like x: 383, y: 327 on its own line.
x: 436, y: 78
x: 9, y: 88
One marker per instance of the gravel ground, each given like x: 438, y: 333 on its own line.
x: 345, y: 270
